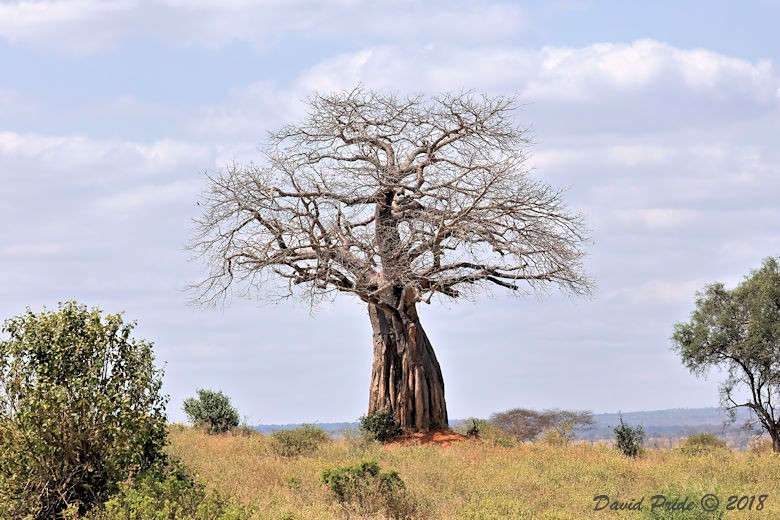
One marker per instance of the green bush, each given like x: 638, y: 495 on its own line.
x: 367, y: 490
x: 382, y: 425
x: 304, y: 440
x: 80, y: 410
x: 212, y: 409
x: 171, y: 493
x: 629, y: 439
x: 702, y: 443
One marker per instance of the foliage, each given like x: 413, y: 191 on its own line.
x: 739, y: 330
x: 212, y: 409
x: 382, y: 425
x: 702, y: 443
x: 367, y: 489
x: 169, y: 493
x: 526, y: 425
x: 80, y: 410
x: 487, y: 432
x: 304, y: 440
x: 628, y: 439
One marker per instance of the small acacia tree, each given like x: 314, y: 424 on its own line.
x: 80, y: 410
x: 393, y: 200
x: 739, y: 330
x: 526, y: 425
x: 212, y: 409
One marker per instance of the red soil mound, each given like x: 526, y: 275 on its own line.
x: 439, y: 438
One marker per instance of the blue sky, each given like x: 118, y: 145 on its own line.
x: 661, y: 119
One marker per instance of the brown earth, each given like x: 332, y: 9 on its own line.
x: 439, y: 438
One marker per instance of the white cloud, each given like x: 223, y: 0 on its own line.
x: 91, y: 25
x: 76, y: 195
x: 80, y: 157
x: 150, y: 197
x: 649, y: 65
x: 81, y: 25
x: 642, y: 86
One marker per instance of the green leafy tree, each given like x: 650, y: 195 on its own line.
x: 739, y: 330
x: 212, y: 409
x: 80, y: 410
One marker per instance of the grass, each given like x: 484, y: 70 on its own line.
x: 473, y: 480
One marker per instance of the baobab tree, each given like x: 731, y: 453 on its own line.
x: 394, y: 200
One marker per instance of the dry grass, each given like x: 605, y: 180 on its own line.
x: 471, y: 480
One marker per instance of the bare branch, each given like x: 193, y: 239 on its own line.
x: 374, y: 193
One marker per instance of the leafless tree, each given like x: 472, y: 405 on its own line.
x: 395, y: 200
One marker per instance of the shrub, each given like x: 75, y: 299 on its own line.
x: 702, y: 443
x: 368, y: 490
x: 171, y: 493
x: 212, y: 409
x: 382, y: 425
x: 304, y: 440
x: 629, y: 439
x: 80, y: 410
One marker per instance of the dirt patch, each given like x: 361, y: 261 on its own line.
x: 439, y: 438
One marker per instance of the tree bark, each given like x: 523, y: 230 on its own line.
x: 775, y: 435
x: 406, y: 377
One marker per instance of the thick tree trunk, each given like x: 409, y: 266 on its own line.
x: 775, y: 435
x: 406, y: 376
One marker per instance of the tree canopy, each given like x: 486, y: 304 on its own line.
x: 526, y: 425
x: 372, y: 190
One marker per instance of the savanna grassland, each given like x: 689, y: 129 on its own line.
x: 477, y: 479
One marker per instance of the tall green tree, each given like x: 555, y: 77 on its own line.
x: 80, y: 410
x: 738, y: 330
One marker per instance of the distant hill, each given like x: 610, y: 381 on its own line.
x: 661, y: 426
x: 674, y: 424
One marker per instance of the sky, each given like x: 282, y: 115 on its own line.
x: 661, y: 120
